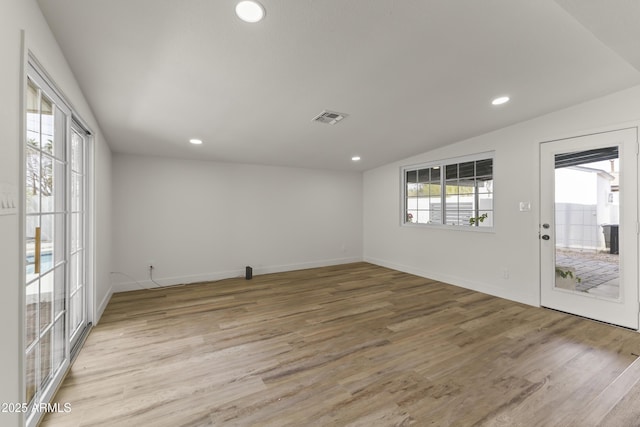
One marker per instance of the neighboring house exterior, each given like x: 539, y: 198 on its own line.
x: 586, y: 198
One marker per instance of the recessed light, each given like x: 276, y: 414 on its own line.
x: 250, y: 11
x: 500, y: 100
x: 195, y: 141
x: 355, y: 158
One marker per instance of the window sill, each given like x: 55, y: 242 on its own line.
x: 450, y: 227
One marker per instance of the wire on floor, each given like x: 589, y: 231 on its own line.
x: 157, y: 287
x: 158, y: 284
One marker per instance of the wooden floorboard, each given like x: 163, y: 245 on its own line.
x: 350, y: 345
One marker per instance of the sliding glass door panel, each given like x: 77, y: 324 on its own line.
x: 55, y: 247
x: 77, y: 274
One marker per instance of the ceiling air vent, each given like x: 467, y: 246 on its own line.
x: 329, y: 117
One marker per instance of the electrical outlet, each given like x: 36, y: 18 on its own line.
x: 505, y: 273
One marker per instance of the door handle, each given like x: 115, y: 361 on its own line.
x: 545, y: 237
x: 36, y: 268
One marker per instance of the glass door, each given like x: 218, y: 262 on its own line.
x: 45, y: 233
x: 55, y: 276
x: 77, y: 274
x: 588, y: 235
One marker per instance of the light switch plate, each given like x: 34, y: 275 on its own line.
x: 525, y: 206
x: 8, y: 199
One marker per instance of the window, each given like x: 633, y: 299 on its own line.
x: 455, y: 192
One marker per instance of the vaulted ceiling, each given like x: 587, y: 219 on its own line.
x: 412, y: 75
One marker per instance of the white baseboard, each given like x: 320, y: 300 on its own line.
x: 178, y: 280
x: 485, y: 288
x: 103, y: 304
x: 229, y: 274
x: 304, y: 265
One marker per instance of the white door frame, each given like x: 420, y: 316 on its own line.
x: 624, y: 311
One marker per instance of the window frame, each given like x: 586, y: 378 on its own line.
x: 442, y: 165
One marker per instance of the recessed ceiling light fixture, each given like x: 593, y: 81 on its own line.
x: 355, y: 158
x: 250, y: 11
x: 195, y: 141
x: 500, y: 100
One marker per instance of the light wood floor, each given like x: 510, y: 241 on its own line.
x: 356, y: 345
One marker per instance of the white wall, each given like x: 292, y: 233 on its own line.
x: 202, y: 221
x: 17, y: 15
x: 102, y: 227
x: 504, y: 263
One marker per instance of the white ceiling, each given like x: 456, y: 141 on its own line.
x: 412, y: 74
